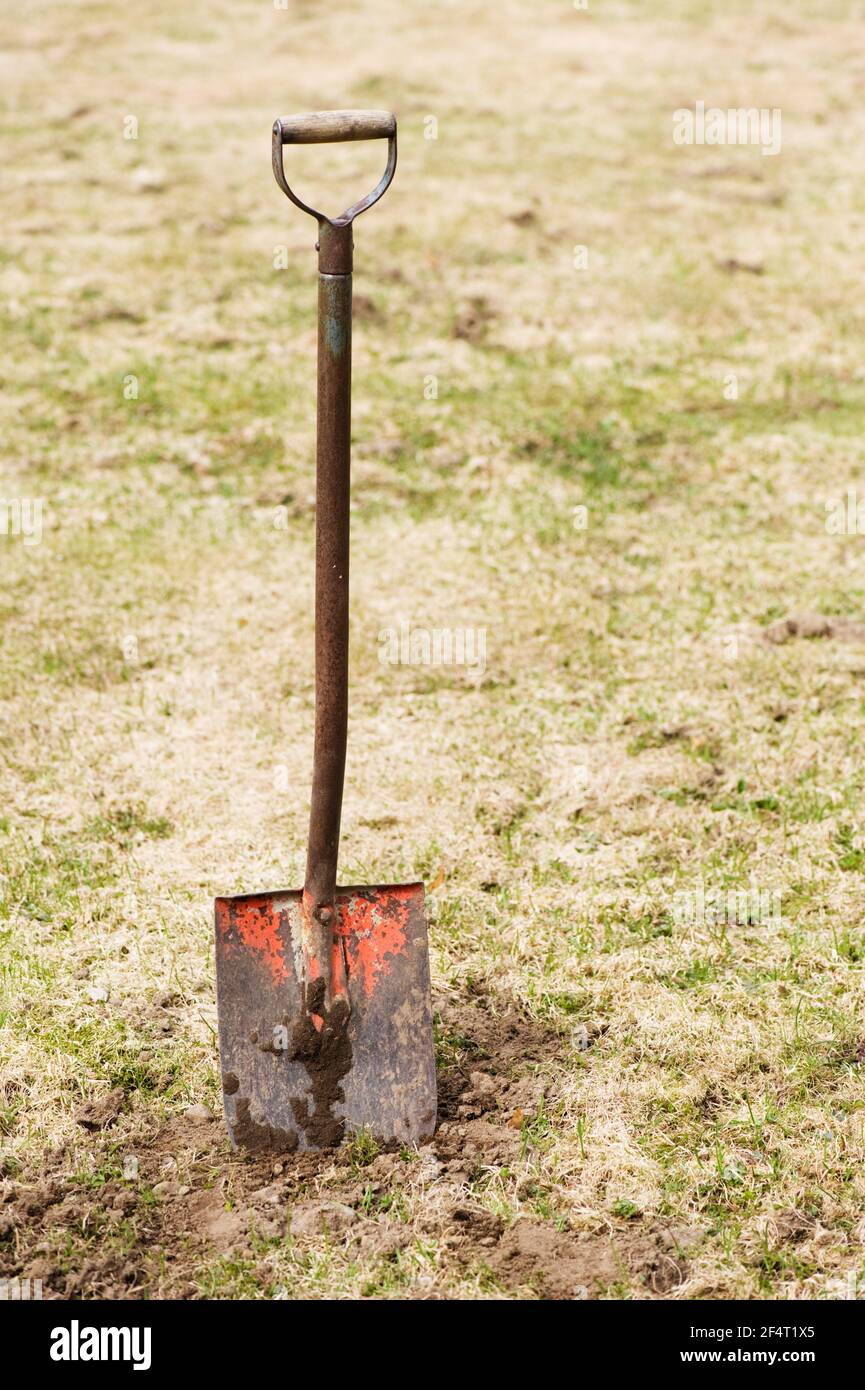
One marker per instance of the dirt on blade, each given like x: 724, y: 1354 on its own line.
x: 326, y: 1055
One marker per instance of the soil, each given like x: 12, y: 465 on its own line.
x: 102, y: 1113
x: 326, y: 1055
x: 193, y: 1200
x: 812, y: 625
x: 560, y: 1265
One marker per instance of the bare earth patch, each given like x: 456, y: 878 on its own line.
x: 192, y: 1202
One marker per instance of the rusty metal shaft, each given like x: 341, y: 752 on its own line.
x: 332, y: 505
x: 324, y: 957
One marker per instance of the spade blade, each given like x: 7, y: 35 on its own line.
x: 288, y: 1085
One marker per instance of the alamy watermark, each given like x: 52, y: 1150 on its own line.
x: 21, y: 516
x: 408, y: 645
x: 702, y: 906
x: 77, y: 1343
x: 20, y: 1290
x: 737, y: 125
x: 845, y: 516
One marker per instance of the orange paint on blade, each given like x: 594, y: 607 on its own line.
x: 374, y: 929
x: 256, y: 925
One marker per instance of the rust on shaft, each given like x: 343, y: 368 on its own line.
x: 323, y: 950
x: 333, y: 450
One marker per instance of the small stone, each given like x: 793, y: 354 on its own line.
x: 97, y: 993
x: 198, y: 1112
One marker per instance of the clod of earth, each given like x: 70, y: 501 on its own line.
x: 101, y: 1114
x: 312, y: 1219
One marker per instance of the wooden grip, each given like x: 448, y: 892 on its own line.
x: 324, y: 127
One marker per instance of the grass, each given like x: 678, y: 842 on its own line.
x: 578, y: 485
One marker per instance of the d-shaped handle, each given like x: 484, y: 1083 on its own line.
x: 325, y: 127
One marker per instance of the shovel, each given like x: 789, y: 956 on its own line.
x: 325, y: 1024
